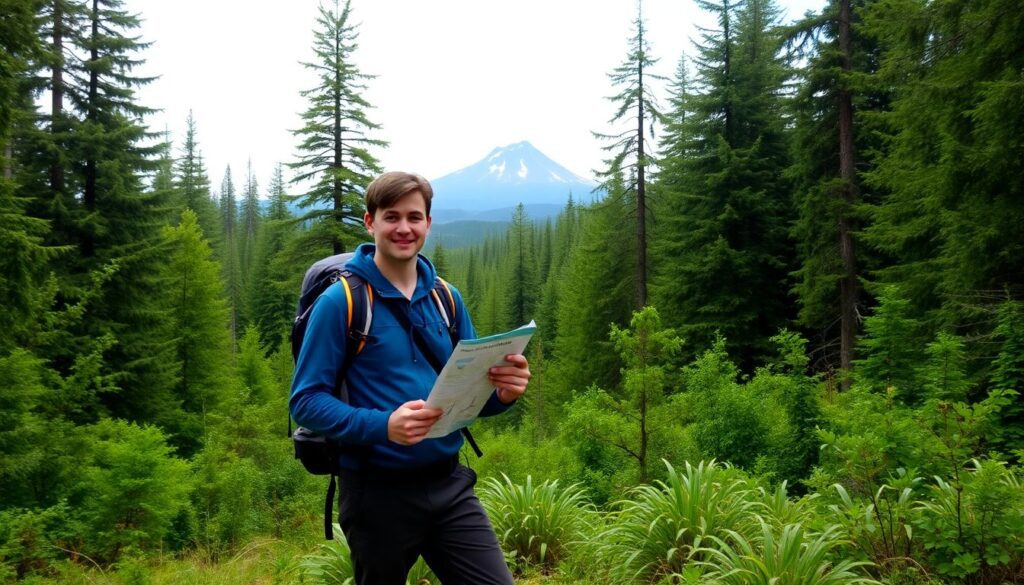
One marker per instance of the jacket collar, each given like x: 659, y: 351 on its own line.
x: 363, y: 266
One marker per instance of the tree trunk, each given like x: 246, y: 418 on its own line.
x: 848, y: 286
x: 89, y: 196
x: 57, y: 92
x: 339, y: 245
x: 641, y: 194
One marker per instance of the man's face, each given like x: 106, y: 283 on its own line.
x: 400, y: 230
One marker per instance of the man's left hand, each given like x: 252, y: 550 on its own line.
x: 510, y: 381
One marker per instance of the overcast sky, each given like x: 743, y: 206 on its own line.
x: 455, y: 78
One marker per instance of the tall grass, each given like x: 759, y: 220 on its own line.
x: 662, y: 527
x: 786, y: 556
x: 536, y: 523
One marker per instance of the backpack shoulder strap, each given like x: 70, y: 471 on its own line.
x: 359, y: 317
x: 445, y: 301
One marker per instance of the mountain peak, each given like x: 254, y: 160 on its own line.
x: 509, y: 175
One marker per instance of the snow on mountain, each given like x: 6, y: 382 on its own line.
x: 507, y: 176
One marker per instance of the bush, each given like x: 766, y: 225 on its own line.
x: 133, y: 491
x: 977, y: 528
x: 536, y: 523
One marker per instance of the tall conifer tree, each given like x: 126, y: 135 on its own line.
x: 193, y: 184
x: 631, y: 155
x: 337, y: 137
x: 229, y: 257
x: 272, y: 284
x: 724, y: 229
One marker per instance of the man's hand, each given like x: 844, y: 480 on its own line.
x: 510, y: 381
x: 409, y: 423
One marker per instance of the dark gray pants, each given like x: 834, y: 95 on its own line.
x: 391, y: 519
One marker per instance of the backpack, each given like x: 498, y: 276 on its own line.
x: 317, y: 453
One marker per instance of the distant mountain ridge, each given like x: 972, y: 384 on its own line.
x: 507, y: 176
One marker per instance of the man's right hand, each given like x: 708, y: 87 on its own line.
x: 409, y: 423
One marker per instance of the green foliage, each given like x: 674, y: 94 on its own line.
x: 663, y: 526
x: 723, y: 238
x: 730, y: 421
x: 975, y: 530
x: 133, y: 489
x: 880, y: 526
x: 199, y: 316
x: 331, y: 564
x: 537, y: 524
x: 1008, y: 374
x: 787, y: 556
x: 889, y: 350
x: 944, y: 376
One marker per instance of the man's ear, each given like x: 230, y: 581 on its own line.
x: 368, y: 221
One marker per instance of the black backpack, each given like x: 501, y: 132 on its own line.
x: 318, y: 454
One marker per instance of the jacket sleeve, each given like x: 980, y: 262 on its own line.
x: 312, y: 403
x: 466, y: 331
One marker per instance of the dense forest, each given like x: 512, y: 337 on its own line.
x: 782, y: 343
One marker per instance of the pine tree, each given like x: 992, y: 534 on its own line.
x: 193, y: 185
x: 336, y: 137
x: 520, y: 286
x: 952, y: 218
x: 596, y: 290
x: 834, y: 137
x: 630, y: 151
x: 889, y: 355
x: 1008, y: 374
x: 440, y: 259
x: 200, y: 319
x: 274, y: 279
x: 723, y: 231
x: 100, y: 151
x: 229, y: 257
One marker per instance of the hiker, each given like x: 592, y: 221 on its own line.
x: 401, y: 495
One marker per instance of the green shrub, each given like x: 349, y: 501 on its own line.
x: 880, y: 526
x: 536, y: 523
x: 975, y: 528
x: 786, y: 556
x: 663, y: 526
x: 134, y: 489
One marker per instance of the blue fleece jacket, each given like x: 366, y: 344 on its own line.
x: 388, y: 372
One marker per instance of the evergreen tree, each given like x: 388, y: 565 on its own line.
x: 229, y: 257
x: 200, y: 320
x: 98, y: 153
x: 596, y: 291
x: 630, y: 151
x: 336, y: 137
x: 193, y: 185
x: 520, y: 274
x: 724, y: 229
x: 440, y: 260
x: 273, y: 283
x: 889, y: 354
x: 630, y: 417
x: 951, y: 221
x: 834, y: 136
x: 1008, y: 374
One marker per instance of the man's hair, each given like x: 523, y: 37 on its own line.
x: 388, y: 188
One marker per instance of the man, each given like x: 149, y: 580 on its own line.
x: 402, y: 496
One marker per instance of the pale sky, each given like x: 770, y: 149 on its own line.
x: 455, y: 78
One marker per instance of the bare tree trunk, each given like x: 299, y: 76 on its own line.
x: 848, y: 286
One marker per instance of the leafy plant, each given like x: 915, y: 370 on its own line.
x: 976, y: 529
x: 536, y: 523
x: 331, y: 563
x: 786, y: 556
x: 880, y: 526
x: 663, y: 527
